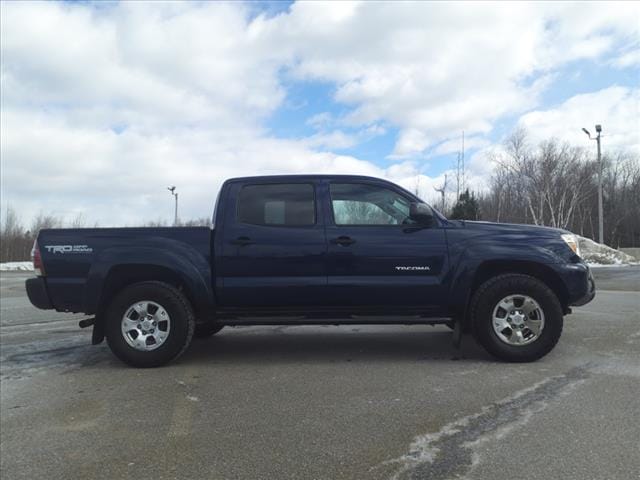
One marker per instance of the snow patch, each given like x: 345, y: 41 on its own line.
x: 16, y: 267
x: 596, y: 254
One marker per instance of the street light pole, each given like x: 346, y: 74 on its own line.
x: 172, y: 189
x: 600, y: 217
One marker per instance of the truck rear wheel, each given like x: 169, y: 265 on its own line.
x: 149, y: 324
x: 516, y: 318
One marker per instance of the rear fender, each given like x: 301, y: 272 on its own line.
x: 188, y: 268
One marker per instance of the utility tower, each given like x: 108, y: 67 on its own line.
x: 460, y: 174
x: 462, y: 157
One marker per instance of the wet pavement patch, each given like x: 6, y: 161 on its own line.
x: 449, y: 453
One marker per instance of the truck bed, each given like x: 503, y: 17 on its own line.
x: 73, y: 256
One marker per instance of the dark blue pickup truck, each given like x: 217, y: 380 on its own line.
x: 313, y: 249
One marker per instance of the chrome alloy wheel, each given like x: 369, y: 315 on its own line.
x: 145, y: 325
x: 518, y: 320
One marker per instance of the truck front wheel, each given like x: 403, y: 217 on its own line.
x: 149, y: 324
x: 516, y: 317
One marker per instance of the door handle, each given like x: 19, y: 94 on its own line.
x: 343, y: 240
x: 241, y: 241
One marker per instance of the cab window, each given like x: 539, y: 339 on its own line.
x: 280, y: 205
x: 363, y: 204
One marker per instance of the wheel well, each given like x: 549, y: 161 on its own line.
x: 542, y: 272
x: 122, y: 276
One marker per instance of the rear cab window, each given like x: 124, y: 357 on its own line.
x: 285, y: 205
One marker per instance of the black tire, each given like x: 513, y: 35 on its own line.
x: 493, y: 291
x: 206, y: 330
x: 181, y: 330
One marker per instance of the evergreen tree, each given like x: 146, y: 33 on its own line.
x: 466, y: 208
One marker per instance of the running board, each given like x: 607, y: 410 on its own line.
x: 354, y: 320
x: 367, y: 314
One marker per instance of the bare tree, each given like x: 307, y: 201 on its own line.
x: 14, y: 241
x: 79, y: 221
x: 442, y: 191
x: 44, y: 221
x: 554, y: 184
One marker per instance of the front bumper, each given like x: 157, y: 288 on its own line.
x: 578, y: 280
x: 591, y: 291
x: 37, y: 293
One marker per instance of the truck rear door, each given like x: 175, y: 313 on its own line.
x: 273, y: 246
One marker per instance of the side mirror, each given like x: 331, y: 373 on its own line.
x: 421, y: 213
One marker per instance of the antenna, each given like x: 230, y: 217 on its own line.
x: 458, y: 177
x: 417, y: 186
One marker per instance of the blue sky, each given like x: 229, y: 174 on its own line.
x: 306, y: 99
x: 131, y: 96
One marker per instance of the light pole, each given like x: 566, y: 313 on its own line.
x: 172, y: 189
x: 600, y: 221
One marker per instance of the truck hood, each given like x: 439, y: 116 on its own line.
x: 508, y: 240
x: 491, y: 227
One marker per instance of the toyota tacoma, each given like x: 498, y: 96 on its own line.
x: 313, y: 249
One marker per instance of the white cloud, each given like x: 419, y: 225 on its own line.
x: 617, y: 109
x: 627, y: 59
x: 187, y: 86
x: 334, y: 140
x: 152, y: 65
x: 433, y: 69
x: 105, y: 105
x: 454, y: 145
x: 411, y: 141
x: 121, y: 178
x: 321, y: 121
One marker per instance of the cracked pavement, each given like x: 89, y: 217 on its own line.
x: 349, y: 402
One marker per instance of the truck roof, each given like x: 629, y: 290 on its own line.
x: 305, y: 177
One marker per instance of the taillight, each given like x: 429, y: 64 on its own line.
x: 36, y: 258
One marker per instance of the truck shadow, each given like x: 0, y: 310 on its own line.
x: 255, y: 346
x: 331, y: 344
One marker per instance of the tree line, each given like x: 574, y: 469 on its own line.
x: 552, y: 183
x: 546, y: 183
x: 16, y: 238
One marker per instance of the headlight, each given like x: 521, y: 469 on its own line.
x: 572, y: 241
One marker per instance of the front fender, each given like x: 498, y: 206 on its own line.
x: 517, y: 250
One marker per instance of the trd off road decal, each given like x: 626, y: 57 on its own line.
x: 68, y: 248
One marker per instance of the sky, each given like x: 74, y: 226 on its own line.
x: 104, y: 104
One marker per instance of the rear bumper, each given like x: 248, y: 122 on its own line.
x: 37, y: 293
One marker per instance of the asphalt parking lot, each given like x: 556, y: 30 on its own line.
x: 323, y: 402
